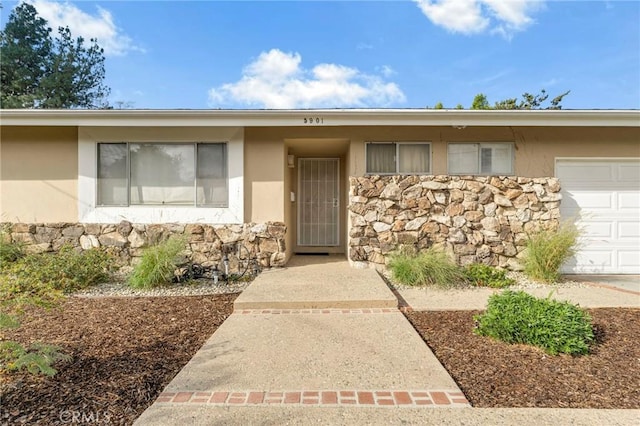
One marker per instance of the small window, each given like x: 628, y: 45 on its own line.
x: 167, y: 174
x: 112, y: 174
x: 398, y: 157
x: 480, y: 158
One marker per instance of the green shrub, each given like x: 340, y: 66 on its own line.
x: 487, y: 276
x: 429, y: 267
x: 38, y: 358
x: 158, y: 264
x: 548, y: 249
x: 67, y: 270
x: 10, y: 251
x: 518, y: 317
x: 20, y: 288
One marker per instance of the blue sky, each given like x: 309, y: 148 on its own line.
x: 327, y: 54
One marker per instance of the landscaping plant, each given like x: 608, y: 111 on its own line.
x: 41, y: 280
x: 67, y: 270
x: 158, y: 264
x: 482, y: 275
x: 518, y: 317
x: 10, y: 251
x: 429, y: 267
x: 15, y: 294
x: 548, y: 249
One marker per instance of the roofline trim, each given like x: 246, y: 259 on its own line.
x: 321, y: 118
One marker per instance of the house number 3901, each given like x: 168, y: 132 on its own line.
x: 313, y: 120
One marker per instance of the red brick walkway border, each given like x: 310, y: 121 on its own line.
x: 324, y: 398
x: 316, y: 311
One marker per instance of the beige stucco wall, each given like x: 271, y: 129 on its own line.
x: 38, y: 174
x: 264, y: 189
x: 31, y: 181
x: 269, y: 181
x: 535, y: 148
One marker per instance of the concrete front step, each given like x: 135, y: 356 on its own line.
x: 317, y: 282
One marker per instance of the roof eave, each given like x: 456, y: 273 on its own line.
x: 321, y: 117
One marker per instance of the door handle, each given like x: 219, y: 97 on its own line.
x: 336, y: 203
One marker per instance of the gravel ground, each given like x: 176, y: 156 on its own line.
x: 203, y: 287
x: 199, y: 287
x: 522, y: 282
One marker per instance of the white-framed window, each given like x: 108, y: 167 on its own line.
x: 162, y: 174
x: 480, y: 158
x: 204, y: 168
x: 398, y: 158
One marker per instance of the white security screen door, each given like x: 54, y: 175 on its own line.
x: 318, y: 202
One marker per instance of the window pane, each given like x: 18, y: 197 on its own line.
x: 212, y: 175
x: 112, y: 174
x: 414, y: 158
x: 501, y: 160
x: 463, y: 158
x: 485, y: 160
x: 162, y: 174
x: 381, y: 158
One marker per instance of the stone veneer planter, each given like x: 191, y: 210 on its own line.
x: 265, y: 241
x: 477, y: 219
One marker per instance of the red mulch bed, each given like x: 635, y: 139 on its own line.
x: 125, y: 351
x: 495, y: 374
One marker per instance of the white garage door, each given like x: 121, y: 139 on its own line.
x: 605, y: 196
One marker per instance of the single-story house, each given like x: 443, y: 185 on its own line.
x: 355, y: 181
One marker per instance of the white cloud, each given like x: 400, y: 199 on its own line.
x: 277, y: 80
x: 364, y: 46
x: 386, y: 71
x: 463, y: 16
x: 100, y: 26
x: 476, y: 16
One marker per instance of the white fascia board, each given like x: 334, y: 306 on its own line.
x: 321, y: 118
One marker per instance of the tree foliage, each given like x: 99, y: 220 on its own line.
x: 480, y: 102
x: 38, y: 71
x: 528, y: 101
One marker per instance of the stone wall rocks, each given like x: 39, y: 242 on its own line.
x: 265, y: 241
x: 475, y: 218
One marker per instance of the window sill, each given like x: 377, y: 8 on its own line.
x: 162, y: 214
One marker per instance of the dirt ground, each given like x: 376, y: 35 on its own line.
x: 495, y: 374
x: 126, y: 350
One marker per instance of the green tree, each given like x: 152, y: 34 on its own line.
x: 438, y: 106
x: 480, y: 102
x: 528, y: 101
x: 25, y: 50
x: 38, y: 71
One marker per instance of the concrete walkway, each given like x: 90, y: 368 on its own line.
x: 421, y: 299
x: 592, y: 294
x: 320, y: 342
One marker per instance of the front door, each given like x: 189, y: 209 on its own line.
x: 318, y: 202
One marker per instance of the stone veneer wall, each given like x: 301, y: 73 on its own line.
x: 265, y: 241
x: 478, y: 219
